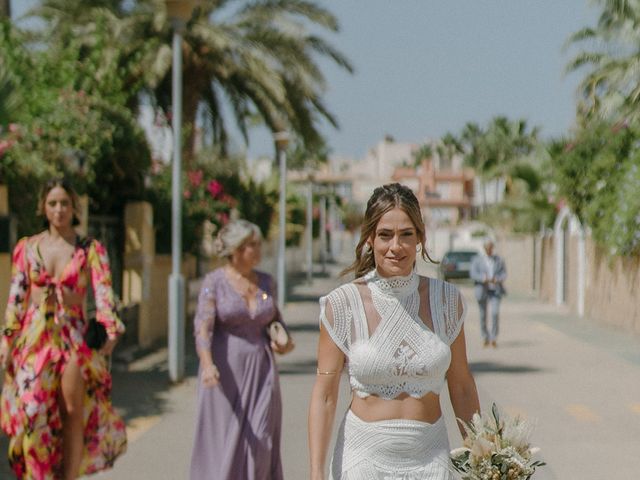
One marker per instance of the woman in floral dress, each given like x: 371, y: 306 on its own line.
x: 55, y: 404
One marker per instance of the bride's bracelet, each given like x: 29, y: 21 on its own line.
x: 318, y: 372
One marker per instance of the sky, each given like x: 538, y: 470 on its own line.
x: 427, y: 67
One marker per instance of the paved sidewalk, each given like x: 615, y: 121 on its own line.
x: 577, y: 380
x: 161, y: 419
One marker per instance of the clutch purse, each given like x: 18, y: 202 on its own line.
x: 96, y: 334
x: 278, y: 334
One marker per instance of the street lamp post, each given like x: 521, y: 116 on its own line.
x: 282, y: 140
x: 310, y: 230
x: 179, y: 12
x: 323, y: 231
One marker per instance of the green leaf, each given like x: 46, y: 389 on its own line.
x: 496, y: 415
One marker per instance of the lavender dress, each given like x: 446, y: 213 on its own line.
x: 238, y: 421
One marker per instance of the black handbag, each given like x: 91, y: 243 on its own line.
x: 96, y: 334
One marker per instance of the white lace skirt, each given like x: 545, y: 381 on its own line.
x: 391, y: 450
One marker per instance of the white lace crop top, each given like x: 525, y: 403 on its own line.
x: 378, y: 325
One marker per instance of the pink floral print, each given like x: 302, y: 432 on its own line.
x: 43, y: 337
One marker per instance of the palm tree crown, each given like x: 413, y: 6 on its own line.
x: 253, y: 61
x: 611, y: 86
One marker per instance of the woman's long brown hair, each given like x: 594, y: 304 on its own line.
x: 384, y: 199
x: 66, y: 186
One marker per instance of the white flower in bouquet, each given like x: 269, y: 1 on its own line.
x: 495, y: 449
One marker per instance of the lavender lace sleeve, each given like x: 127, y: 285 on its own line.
x: 204, y: 319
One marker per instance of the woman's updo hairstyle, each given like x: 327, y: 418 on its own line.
x: 384, y: 199
x: 233, y: 235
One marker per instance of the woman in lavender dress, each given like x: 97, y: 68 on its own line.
x: 239, y: 408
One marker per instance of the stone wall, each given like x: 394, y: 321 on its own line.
x: 518, y: 253
x: 612, y: 289
x: 611, y: 284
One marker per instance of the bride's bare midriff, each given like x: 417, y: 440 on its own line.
x: 374, y: 408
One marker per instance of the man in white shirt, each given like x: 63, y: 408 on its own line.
x: 488, y: 271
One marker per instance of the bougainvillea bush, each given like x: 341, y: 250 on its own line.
x: 206, y: 197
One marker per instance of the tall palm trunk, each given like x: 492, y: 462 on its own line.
x: 5, y: 8
x: 193, y: 85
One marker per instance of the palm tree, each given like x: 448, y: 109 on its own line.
x: 498, y: 152
x: 611, y: 86
x: 425, y: 152
x: 448, y: 147
x: 509, y: 143
x: 258, y: 61
x: 473, y: 147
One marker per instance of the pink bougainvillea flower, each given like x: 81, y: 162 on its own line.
x: 187, y: 194
x: 223, y: 217
x: 13, y: 127
x: 215, y: 188
x: 4, y: 146
x: 195, y: 177
x: 228, y: 199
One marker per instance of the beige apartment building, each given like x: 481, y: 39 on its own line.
x: 445, y: 194
x: 443, y: 186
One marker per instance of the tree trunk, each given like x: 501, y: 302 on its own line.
x: 191, y: 95
x: 5, y: 8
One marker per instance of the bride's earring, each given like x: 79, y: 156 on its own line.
x: 366, y: 248
x: 419, y: 248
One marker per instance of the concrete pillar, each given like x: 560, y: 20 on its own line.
x: 139, y: 252
x: 582, y: 271
x: 558, y: 239
x: 4, y: 200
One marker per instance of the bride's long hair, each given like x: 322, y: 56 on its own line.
x: 384, y: 199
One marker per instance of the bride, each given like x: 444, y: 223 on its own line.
x: 403, y: 336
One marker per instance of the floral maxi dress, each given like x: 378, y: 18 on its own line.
x: 43, y: 336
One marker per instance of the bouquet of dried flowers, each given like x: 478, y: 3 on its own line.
x: 496, y: 449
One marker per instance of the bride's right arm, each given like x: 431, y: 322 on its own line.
x: 324, y: 397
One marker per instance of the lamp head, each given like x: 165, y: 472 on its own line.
x: 282, y: 139
x: 180, y: 10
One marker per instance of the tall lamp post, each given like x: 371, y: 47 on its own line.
x: 309, y: 231
x: 179, y: 12
x: 282, y: 140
